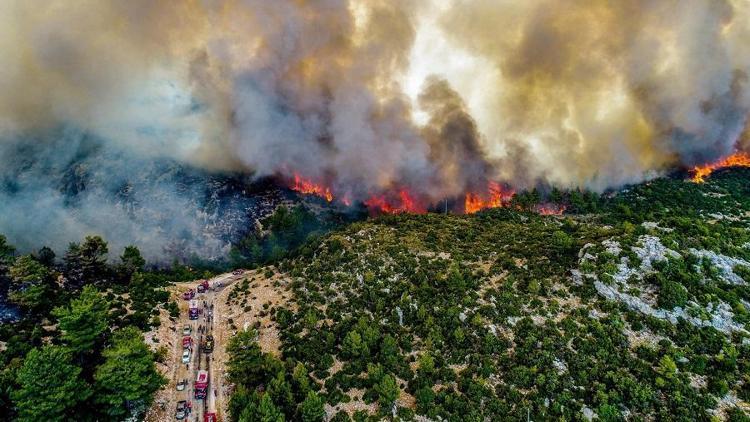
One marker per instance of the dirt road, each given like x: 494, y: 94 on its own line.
x: 197, y: 329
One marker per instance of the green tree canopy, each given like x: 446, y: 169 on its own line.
x: 50, y: 385
x: 126, y: 381
x: 6, y: 252
x: 262, y: 411
x: 46, y: 256
x: 84, y: 321
x: 29, y: 282
x: 388, y: 391
x: 86, y: 262
x: 248, y: 365
x: 132, y: 260
x: 312, y: 408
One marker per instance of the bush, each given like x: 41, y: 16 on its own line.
x: 672, y: 294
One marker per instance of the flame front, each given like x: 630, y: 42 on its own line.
x: 739, y: 159
x: 496, y: 197
x: 402, y: 202
x: 308, y: 187
x: 550, y: 209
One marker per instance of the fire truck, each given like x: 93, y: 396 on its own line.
x: 201, y: 385
x: 208, y: 344
x: 193, y: 309
x: 203, y: 286
x: 188, y: 294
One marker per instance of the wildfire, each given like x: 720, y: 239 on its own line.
x: 305, y: 186
x: 400, y: 200
x: 550, y: 209
x: 496, y: 197
x: 395, y: 204
x: 739, y: 159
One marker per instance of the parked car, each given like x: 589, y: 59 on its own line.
x: 186, y: 356
x: 181, y: 411
x: 182, y: 384
x: 187, y: 330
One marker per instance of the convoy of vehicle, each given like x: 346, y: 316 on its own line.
x: 206, y: 345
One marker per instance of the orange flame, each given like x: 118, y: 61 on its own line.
x: 739, y: 159
x: 550, y: 209
x: 497, y: 197
x: 387, y: 204
x: 305, y: 186
x: 402, y: 201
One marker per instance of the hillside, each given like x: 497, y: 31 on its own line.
x: 630, y: 305
x: 636, y: 309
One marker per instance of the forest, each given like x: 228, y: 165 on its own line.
x: 630, y: 305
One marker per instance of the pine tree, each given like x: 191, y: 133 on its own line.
x: 263, y: 411
x: 267, y: 411
x: 84, y: 321
x: 46, y: 256
x: 281, y: 393
x: 29, y: 282
x: 128, y: 378
x: 132, y: 261
x: 301, y: 380
x: 248, y: 365
x: 86, y: 262
x: 7, y: 252
x: 388, y: 391
x: 7, y: 257
x: 50, y: 385
x: 312, y: 409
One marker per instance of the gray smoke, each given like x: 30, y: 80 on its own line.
x: 57, y: 190
x: 366, y: 97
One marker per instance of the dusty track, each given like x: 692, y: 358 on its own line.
x: 170, y: 334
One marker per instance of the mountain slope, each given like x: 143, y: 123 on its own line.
x: 639, y: 309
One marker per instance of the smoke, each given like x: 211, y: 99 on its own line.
x: 57, y: 190
x: 600, y: 93
x: 364, y: 96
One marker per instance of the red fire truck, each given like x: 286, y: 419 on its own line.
x: 201, y: 385
x: 203, y: 286
x: 193, y: 309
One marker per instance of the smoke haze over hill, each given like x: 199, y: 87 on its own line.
x: 365, y: 96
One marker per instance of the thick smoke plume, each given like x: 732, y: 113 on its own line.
x: 366, y: 97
